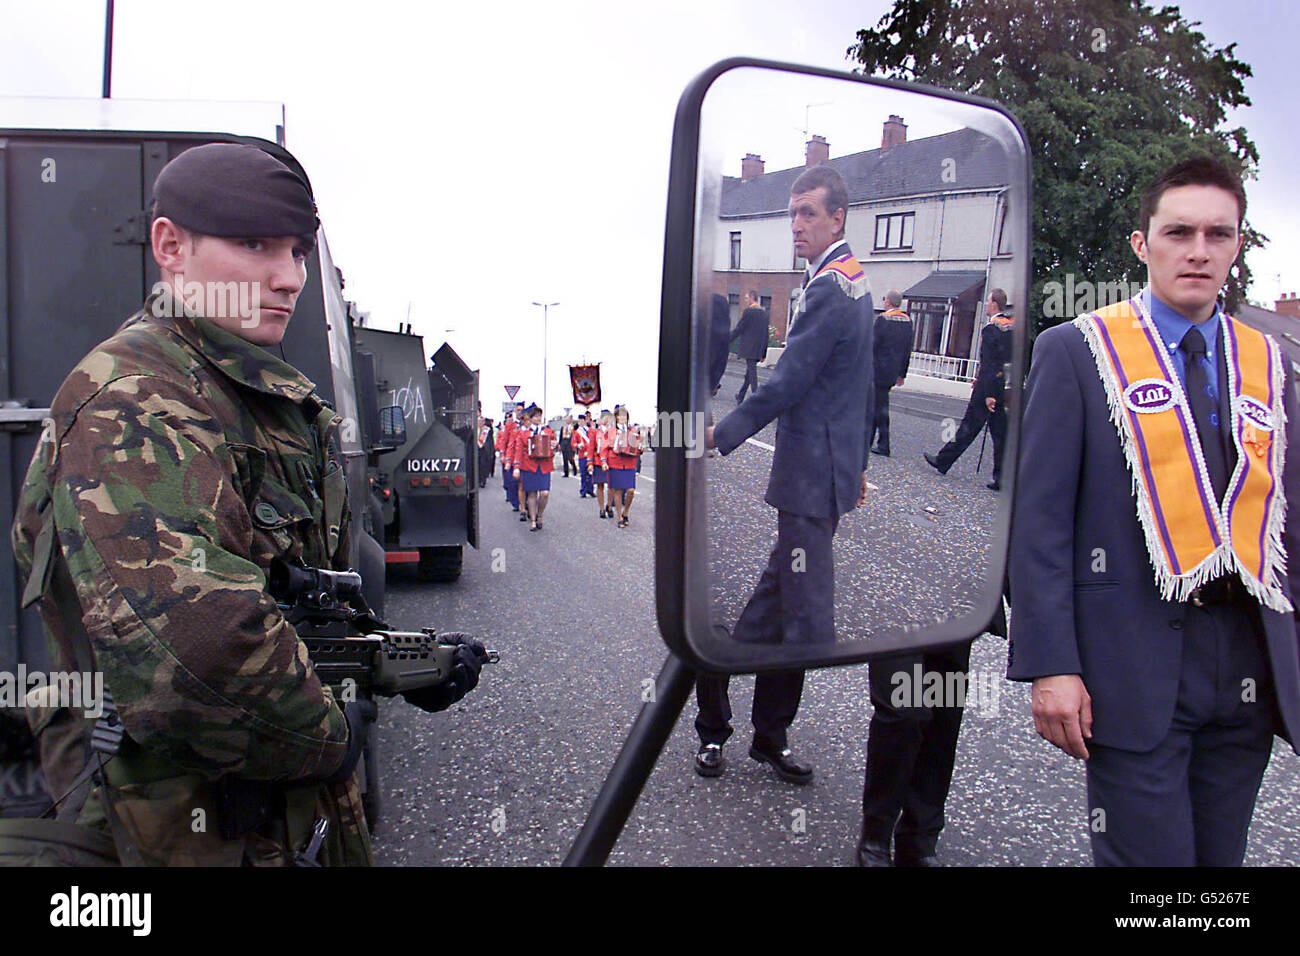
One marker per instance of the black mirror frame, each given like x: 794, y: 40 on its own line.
x: 675, y: 527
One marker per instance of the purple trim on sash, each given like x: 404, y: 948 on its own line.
x: 1162, y: 357
x: 1137, y: 433
x: 1272, y: 479
x: 1236, y: 427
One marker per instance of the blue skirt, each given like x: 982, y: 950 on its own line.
x: 534, y: 481
x: 622, y: 479
x: 599, y: 476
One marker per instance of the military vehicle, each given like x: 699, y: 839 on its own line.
x: 425, y: 489
x: 74, y: 263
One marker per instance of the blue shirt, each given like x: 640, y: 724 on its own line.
x: 1172, y: 327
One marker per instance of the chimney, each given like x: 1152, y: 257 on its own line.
x: 751, y: 167
x: 894, y: 134
x: 1288, y: 305
x: 817, y: 151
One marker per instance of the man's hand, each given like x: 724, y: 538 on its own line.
x: 708, y: 438
x: 899, y: 382
x: 992, y: 403
x: 862, y: 495
x: 1063, y: 712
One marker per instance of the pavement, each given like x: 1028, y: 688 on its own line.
x: 507, y: 775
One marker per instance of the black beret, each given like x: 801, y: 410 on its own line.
x: 237, y: 192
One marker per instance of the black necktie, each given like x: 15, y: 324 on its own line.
x: 1203, y: 410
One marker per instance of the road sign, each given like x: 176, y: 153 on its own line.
x: 512, y: 390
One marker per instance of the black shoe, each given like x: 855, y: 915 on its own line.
x: 786, y: 765
x: 934, y: 463
x: 872, y: 853
x: 523, y: 516
x: 539, y: 524
x: 602, y: 513
x: 709, y: 762
x: 877, y: 450
x: 908, y: 859
x: 994, y: 485
x: 532, y: 527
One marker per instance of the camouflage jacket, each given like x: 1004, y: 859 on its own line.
x: 179, y: 460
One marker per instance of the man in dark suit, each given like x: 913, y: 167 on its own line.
x: 986, y: 397
x: 1159, y: 633
x: 893, y: 354
x: 719, y: 337
x: 752, y: 332
x: 821, y: 393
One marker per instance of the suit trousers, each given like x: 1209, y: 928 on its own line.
x: 584, y: 479
x: 972, y: 423
x: 880, y: 424
x: 910, y: 751
x: 1189, y: 801
x: 751, y: 379
x: 566, y: 450
x: 793, y: 603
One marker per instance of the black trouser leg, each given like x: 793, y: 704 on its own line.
x: 998, y: 429
x: 793, y: 603
x: 969, y: 429
x: 880, y: 425
x: 910, y: 751
x: 713, y: 722
x: 751, y: 379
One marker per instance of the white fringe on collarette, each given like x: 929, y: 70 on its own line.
x: 1178, y: 587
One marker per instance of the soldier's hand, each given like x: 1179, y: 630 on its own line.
x: 708, y: 438
x: 992, y: 403
x: 468, y: 658
x: 1062, y: 711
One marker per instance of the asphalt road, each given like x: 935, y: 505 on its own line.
x: 507, y: 776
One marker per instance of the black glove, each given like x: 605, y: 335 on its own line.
x: 468, y: 660
x: 359, y: 714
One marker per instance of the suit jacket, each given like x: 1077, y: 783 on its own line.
x: 821, y: 395
x: 1112, y: 627
x: 752, y: 332
x: 892, y: 347
x: 995, y: 353
x: 719, y: 337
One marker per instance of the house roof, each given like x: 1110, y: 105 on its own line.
x: 908, y: 169
x: 945, y: 285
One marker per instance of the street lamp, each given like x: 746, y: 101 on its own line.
x: 544, y: 306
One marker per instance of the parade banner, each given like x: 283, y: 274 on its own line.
x: 586, y: 383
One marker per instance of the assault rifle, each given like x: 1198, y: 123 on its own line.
x: 353, y: 652
x: 355, y: 655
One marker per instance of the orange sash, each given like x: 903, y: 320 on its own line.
x: 1191, y: 537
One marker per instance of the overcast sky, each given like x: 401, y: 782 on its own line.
x: 470, y: 159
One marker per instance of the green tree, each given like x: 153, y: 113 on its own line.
x: 1110, y: 93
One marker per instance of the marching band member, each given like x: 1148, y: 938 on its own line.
x: 622, y: 452
x: 505, y: 441
x: 533, y: 457
x: 596, y: 462
x: 581, y: 443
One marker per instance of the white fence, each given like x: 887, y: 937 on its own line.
x: 944, y: 366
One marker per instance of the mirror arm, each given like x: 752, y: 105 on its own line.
x: 645, y: 741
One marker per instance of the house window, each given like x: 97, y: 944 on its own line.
x: 1004, y: 240
x: 733, y: 307
x: 765, y: 301
x: 895, y: 231
x: 735, y: 250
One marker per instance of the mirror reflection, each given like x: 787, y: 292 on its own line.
x: 855, y: 258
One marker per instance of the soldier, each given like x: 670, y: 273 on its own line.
x: 181, y: 458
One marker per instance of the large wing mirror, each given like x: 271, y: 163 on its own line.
x: 938, y: 191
